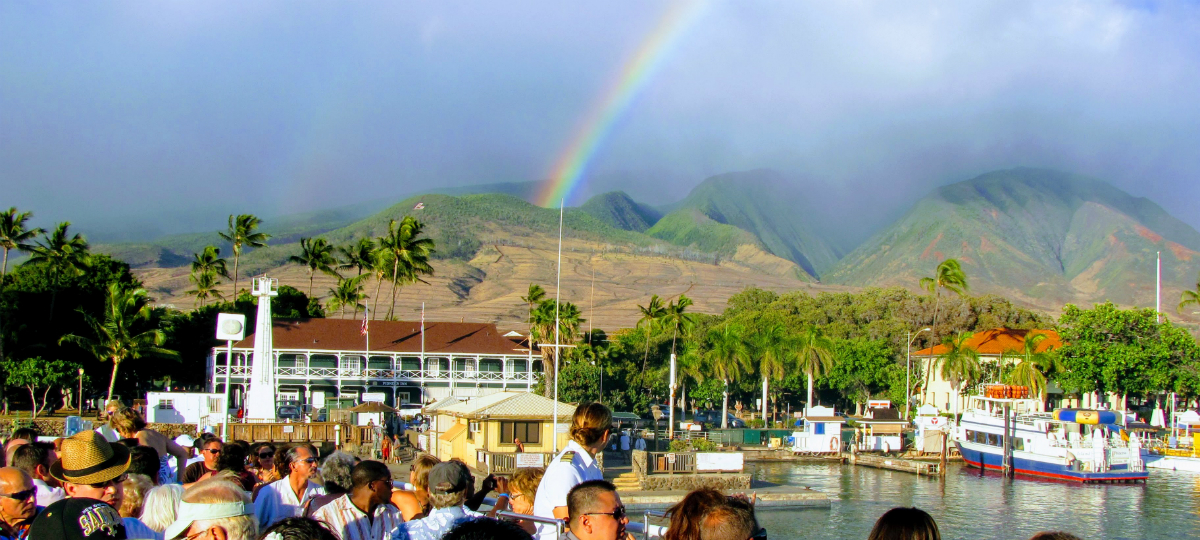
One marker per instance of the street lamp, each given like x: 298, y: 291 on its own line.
x: 908, y: 368
x: 80, y: 401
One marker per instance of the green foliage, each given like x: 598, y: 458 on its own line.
x: 35, y: 373
x: 618, y: 210
x: 692, y: 445
x: 579, y: 381
x: 863, y: 369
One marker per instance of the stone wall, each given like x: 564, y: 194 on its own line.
x: 688, y: 482
x: 53, y: 427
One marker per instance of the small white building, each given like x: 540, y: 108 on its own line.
x: 931, y: 427
x: 822, y: 432
x: 204, y: 410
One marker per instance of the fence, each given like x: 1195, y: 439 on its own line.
x: 293, y: 433
x: 506, y: 462
x: 671, y: 463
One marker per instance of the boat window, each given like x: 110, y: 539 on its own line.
x: 1019, y: 444
x: 993, y: 439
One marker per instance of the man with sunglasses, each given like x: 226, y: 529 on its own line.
x: 211, y: 452
x: 17, y: 505
x: 595, y: 512
x: 366, y: 513
x: 90, y: 467
x: 289, y: 496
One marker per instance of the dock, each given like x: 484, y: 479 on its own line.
x: 768, y: 495
x: 920, y: 468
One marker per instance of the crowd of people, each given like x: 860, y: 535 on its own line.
x: 145, y: 485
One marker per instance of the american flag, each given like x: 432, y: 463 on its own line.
x: 366, y: 322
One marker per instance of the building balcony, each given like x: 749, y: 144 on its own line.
x: 354, y: 373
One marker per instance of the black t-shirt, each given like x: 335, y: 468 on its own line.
x: 194, y: 471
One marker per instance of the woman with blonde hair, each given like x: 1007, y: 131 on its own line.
x: 136, y: 487
x: 161, y: 506
x: 128, y: 423
x: 590, y: 427
x: 415, y: 504
x: 522, y: 489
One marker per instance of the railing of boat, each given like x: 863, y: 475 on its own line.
x: 644, y: 530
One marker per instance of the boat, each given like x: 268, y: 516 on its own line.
x: 1074, y: 445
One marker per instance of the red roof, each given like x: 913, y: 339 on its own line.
x: 389, y: 336
x: 994, y: 342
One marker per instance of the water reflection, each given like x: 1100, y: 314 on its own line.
x: 967, y: 505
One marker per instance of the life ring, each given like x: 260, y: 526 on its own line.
x: 834, y: 444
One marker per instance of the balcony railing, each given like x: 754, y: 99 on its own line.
x: 380, y: 374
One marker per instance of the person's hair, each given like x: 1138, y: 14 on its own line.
x: 369, y: 471
x: 525, y: 481
x: 28, y: 456
x: 685, y: 516
x: 733, y: 519
x: 283, y: 462
x: 299, y: 528
x: 421, y: 467
x: 590, y: 422
x: 1054, y: 535
x: 335, y: 471
x: 25, y: 434
x: 127, y: 420
x: 136, y: 488
x: 144, y: 460
x: 219, y: 489
x: 203, y: 438
x: 905, y: 524
x: 486, y: 528
x: 582, y: 498
x: 161, y: 506
x: 114, y: 403
x: 232, y: 458
x: 129, y: 442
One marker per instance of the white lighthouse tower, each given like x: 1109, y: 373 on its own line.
x: 260, y: 399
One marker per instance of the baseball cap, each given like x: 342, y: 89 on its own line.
x: 448, y: 477
x: 185, y: 440
x: 78, y: 519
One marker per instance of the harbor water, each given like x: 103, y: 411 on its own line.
x: 969, y: 506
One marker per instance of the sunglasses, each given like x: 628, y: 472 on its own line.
x: 265, y: 455
x: 310, y: 460
x: 212, y: 451
x: 21, y: 495
x: 617, y: 514
x: 113, y: 482
x: 760, y: 535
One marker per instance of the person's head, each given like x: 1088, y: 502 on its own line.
x: 127, y: 422
x: 449, y: 484
x: 733, y: 519
x: 211, y: 452
x: 25, y: 435
x: 89, y: 467
x: 143, y: 460
x: 516, y: 441
x: 17, y: 502
x: 262, y: 455
x: 335, y: 471
x: 35, y: 459
x: 81, y: 518
x: 686, y: 515
x: 523, y: 487
x: 418, y: 474
x: 161, y: 506
x: 372, y: 477
x: 232, y: 458
x: 1054, y: 535
x: 485, y: 528
x: 299, y: 461
x: 214, y: 509
x: 590, y: 425
x: 298, y: 528
x: 905, y: 524
x: 112, y: 407
x: 595, y: 511
x: 136, y: 488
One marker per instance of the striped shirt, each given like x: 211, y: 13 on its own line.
x: 349, y: 523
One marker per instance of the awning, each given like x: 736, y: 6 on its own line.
x: 453, y: 432
x: 879, y: 429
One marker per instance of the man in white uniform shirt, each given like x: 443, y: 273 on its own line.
x: 366, y: 513
x: 287, y: 497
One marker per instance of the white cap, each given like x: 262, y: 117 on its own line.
x: 185, y: 440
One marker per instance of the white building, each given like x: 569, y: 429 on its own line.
x: 204, y: 410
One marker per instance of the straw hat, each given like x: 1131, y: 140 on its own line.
x: 89, y: 459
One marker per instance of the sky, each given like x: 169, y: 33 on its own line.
x: 167, y: 116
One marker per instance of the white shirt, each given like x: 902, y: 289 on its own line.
x: 277, y: 501
x: 560, y: 477
x: 46, y: 495
x: 108, y: 433
x: 435, y: 525
x: 349, y: 523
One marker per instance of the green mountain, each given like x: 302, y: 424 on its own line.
x: 1045, y: 236
x: 758, y: 207
x: 621, y: 211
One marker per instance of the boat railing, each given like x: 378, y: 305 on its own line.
x: 644, y: 529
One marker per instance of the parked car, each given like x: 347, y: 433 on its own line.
x: 288, y: 412
x: 712, y: 419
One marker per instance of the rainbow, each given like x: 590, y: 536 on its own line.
x: 569, y: 168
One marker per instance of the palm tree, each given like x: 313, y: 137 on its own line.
x: 316, y: 254
x: 409, y: 253
x: 949, y: 275
x: 210, y: 260
x: 570, y: 320
x: 360, y: 255
x: 727, y: 359
x: 206, y: 286
x: 535, y: 296
x: 381, y: 262
x: 675, y: 317
x: 770, y: 346
x: 652, y: 316
x: 241, y: 233
x: 116, y: 336
x: 65, y: 253
x: 349, y: 292
x: 960, y: 362
x: 1187, y: 298
x: 1035, y: 368
x: 814, y: 356
x: 14, y: 235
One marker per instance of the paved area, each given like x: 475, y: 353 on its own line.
x: 766, y: 495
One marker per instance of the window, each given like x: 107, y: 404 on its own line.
x: 528, y: 432
x: 993, y: 439
x: 166, y: 404
x: 819, y: 428
x: 472, y: 427
x: 1018, y: 443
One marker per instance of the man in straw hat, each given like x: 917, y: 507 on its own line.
x: 214, y: 509
x: 89, y: 467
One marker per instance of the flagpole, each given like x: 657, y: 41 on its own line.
x: 557, y: 294
x: 1158, y: 287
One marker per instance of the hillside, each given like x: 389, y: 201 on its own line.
x: 619, y: 210
x: 760, y: 203
x: 1041, y: 236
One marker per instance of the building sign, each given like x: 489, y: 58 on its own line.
x: 378, y: 397
x: 671, y: 458
x: 879, y: 404
x: 562, y: 428
x: 718, y: 461
x: 289, y: 429
x: 529, y: 461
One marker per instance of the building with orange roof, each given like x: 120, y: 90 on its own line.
x: 990, y: 344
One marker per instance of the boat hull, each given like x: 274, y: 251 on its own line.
x: 1045, y: 469
x: 1172, y: 463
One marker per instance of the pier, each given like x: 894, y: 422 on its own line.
x: 920, y: 468
x: 766, y: 494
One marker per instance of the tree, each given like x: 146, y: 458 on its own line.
x: 209, y: 260
x: 316, y: 254
x: 241, y: 233
x: 769, y: 344
x: 61, y: 251
x: 652, y: 316
x: 570, y: 320
x: 35, y: 373
x: 381, y: 262
x: 727, y: 359
x: 949, y: 275
x: 814, y: 356
x: 359, y: 255
x: 118, y: 336
x: 532, y: 298
x: 409, y: 253
x: 1036, y: 367
x: 675, y: 317
x: 349, y: 292
x: 206, y: 286
x: 14, y: 235
x: 863, y: 368
x: 1186, y: 298
x: 960, y: 363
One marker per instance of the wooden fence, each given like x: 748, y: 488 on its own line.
x: 295, y: 433
x: 671, y: 463
x: 506, y: 462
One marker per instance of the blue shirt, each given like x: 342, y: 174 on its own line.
x: 23, y: 532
